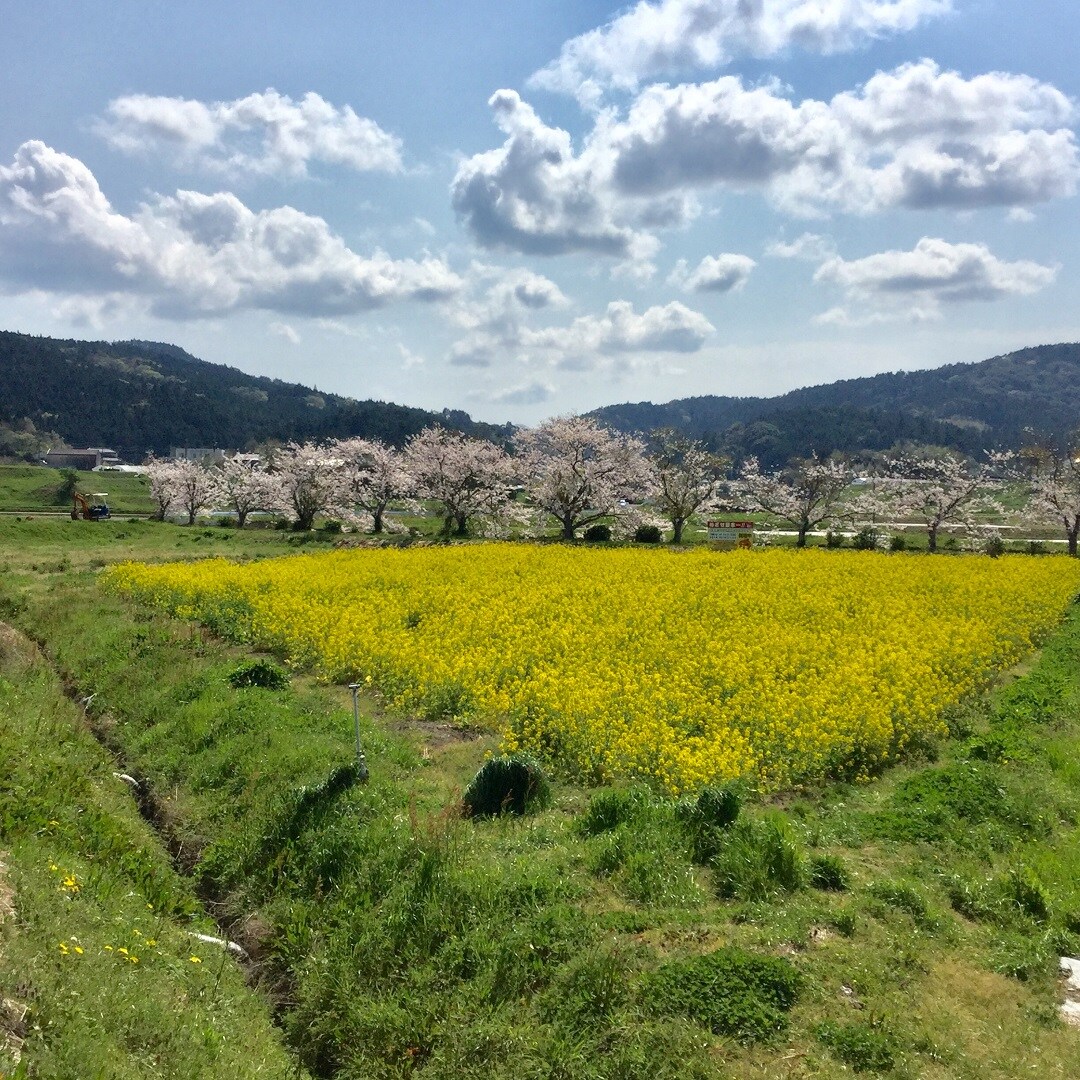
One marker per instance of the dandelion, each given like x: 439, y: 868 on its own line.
x: 195, y: 959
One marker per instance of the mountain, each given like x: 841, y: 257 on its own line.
x: 970, y: 407
x: 140, y: 396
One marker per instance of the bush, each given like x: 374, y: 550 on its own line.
x: 905, y: 897
x: 507, y: 785
x: 612, y: 807
x: 730, y: 991
x: 898, y: 542
x: 707, y: 818
x: 866, y: 1047
x: 1036, y: 547
x: 865, y: 539
x: 828, y: 872
x: 648, y: 534
x: 759, y: 858
x: 596, y: 534
x: 834, y: 539
x: 262, y: 673
x: 331, y: 525
x: 995, y: 546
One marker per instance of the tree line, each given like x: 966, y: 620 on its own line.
x: 577, y: 473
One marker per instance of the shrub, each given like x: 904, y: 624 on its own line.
x: 834, y: 539
x: 514, y: 784
x: 612, y: 807
x: 995, y: 546
x: 865, y: 539
x: 759, y: 858
x: 1022, y: 888
x: 648, y: 534
x: 707, y: 818
x: 906, y: 898
x: 730, y: 991
x: 331, y: 525
x: 261, y: 672
x: 1036, y: 547
x: 829, y: 872
x: 898, y: 542
x: 596, y: 534
x: 866, y: 1047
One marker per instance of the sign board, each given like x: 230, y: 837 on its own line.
x: 731, y: 534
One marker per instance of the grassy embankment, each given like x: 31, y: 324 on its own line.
x: 909, y: 926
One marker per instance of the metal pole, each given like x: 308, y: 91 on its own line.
x: 361, y: 762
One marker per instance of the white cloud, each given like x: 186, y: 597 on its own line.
x: 189, y: 255
x: 533, y: 393
x: 535, y: 195
x: 679, y: 36
x: 265, y: 134
x: 715, y: 273
x: 286, y: 331
x: 809, y: 246
x: 671, y: 328
x: 915, y: 137
x: 496, y: 321
x: 915, y: 283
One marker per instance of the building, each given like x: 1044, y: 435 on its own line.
x: 94, y: 457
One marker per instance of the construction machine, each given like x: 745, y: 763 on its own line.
x: 92, y: 507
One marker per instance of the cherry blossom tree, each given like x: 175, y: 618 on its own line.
x: 468, y: 478
x: 946, y: 490
x: 309, y: 482
x: 373, y: 475
x: 1055, y: 490
x: 244, y: 488
x: 195, y: 487
x: 578, y: 472
x: 685, y: 478
x: 163, y: 488
x: 805, y: 494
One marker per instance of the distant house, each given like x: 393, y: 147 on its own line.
x: 204, y: 455
x: 94, y: 457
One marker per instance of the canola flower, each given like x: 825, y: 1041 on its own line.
x: 683, y: 669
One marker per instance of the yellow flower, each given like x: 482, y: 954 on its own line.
x: 195, y: 959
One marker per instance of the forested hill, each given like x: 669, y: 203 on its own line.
x: 136, y: 396
x: 968, y: 406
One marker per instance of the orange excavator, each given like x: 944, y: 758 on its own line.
x: 83, y: 509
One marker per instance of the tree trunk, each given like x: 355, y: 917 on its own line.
x: 804, y: 528
x: 241, y: 518
x: 462, y: 525
x: 931, y: 538
x: 1072, y: 540
x: 677, y: 527
x: 567, y: 528
x: 376, y: 521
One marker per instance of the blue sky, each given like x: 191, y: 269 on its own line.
x: 525, y: 209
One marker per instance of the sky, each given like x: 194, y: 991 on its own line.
x: 530, y: 208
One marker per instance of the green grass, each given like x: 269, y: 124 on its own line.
x: 909, y: 925
x: 99, y: 949
x: 34, y: 489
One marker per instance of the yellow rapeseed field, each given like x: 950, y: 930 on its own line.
x: 682, y: 668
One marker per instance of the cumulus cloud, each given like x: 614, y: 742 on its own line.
x: 265, y: 134
x: 189, y: 254
x: 678, y: 36
x: 671, y: 328
x: 535, y: 195
x: 533, y: 393
x: 809, y: 246
x: 715, y: 273
x: 496, y: 320
x: 935, y: 272
x: 915, y: 137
